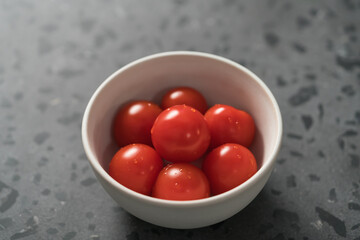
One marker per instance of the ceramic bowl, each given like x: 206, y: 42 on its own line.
x: 221, y: 81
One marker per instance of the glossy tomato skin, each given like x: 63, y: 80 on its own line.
x: 180, y: 134
x: 136, y: 166
x: 184, y: 95
x: 229, y: 125
x: 228, y: 166
x: 133, y: 123
x: 181, y: 181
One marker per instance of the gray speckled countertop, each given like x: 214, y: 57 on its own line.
x: 54, y: 54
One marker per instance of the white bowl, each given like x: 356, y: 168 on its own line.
x: 221, y: 81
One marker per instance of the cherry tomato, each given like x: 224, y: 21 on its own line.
x: 184, y: 95
x: 136, y: 166
x: 228, y: 166
x: 133, y: 123
x: 180, y: 134
x: 229, y: 125
x: 181, y: 181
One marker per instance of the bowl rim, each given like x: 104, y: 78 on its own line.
x: 267, y: 167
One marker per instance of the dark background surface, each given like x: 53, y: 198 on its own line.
x: 54, y: 54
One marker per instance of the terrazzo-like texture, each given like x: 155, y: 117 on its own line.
x: 54, y: 54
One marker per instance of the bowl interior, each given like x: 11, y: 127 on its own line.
x: 219, y: 80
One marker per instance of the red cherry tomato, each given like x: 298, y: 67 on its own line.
x: 228, y: 166
x: 133, y: 123
x: 181, y: 181
x: 136, y: 166
x: 229, y: 125
x: 180, y: 134
x: 184, y: 95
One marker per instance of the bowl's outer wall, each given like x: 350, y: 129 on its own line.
x: 184, y: 217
